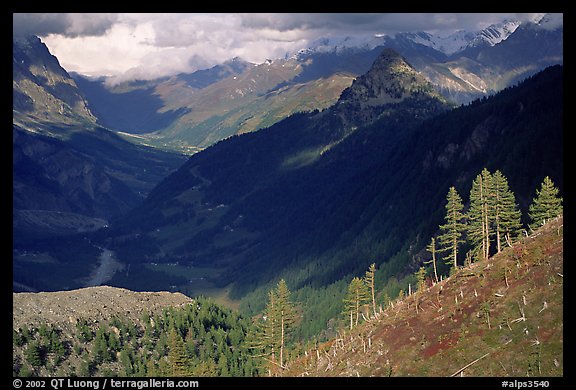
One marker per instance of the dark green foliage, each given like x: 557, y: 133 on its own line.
x: 507, y: 216
x: 18, y: 338
x: 547, y: 204
x: 83, y: 331
x: 199, y: 339
x: 453, y: 229
x: 35, y: 354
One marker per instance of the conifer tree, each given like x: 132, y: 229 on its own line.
x: 432, y: 249
x: 270, y: 335
x: 179, y: 361
x: 355, y: 298
x: 286, y: 315
x: 262, y: 338
x: 546, y: 205
x: 369, y: 278
x: 506, y: 213
x: 480, y: 214
x: 420, y: 278
x: 453, y: 229
x: 33, y: 354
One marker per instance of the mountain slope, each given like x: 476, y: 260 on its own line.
x: 497, y: 318
x: 490, y: 63
x: 62, y: 160
x: 257, y: 168
x: 314, y: 199
x: 42, y: 89
x: 191, y: 111
x: 104, y: 331
x: 91, y: 172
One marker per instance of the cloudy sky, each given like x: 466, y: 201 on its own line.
x: 127, y: 46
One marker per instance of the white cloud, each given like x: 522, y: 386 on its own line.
x: 148, y: 45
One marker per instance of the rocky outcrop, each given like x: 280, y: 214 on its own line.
x: 42, y: 88
x: 95, y: 304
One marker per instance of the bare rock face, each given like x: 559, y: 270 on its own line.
x: 95, y: 304
x: 42, y: 88
x: 390, y: 80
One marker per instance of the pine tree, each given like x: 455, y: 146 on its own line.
x: 453, y: 229
x: 268, y: 339
x: 34, y: 354
x: 546, y: 205
x: 420, y: 278
x: 177, y: 356
x: 286, y: 314
x: 506, y: 213
x: 355, y: 298
x: 369, y: 278
x: 432, y: 249
x: 480, y: 214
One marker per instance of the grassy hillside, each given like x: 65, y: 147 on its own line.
x: 500, y: 318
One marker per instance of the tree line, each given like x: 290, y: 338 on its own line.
x: 493, y: 218
x: 491, y: 221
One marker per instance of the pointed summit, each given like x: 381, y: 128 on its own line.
x: 390, y: 80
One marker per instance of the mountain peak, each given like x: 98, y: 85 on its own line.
x: 390, y: 80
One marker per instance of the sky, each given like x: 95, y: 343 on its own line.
x: 125, y: 46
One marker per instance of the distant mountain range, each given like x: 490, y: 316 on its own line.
x: 189, y: 112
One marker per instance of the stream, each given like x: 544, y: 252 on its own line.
x: 106, y: 270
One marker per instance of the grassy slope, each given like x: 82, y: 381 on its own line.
x: 507, y: 312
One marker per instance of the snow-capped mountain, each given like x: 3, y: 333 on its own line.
x: 450, y: 44
x: 495, y: 33
x: 329, y: 44
x: 447, y: 44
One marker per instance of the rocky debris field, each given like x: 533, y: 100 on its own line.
x: 95, y: 304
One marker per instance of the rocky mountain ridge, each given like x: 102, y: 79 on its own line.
x: 42, y: 89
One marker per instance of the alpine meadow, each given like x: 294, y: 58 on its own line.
x: 387, y: 203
